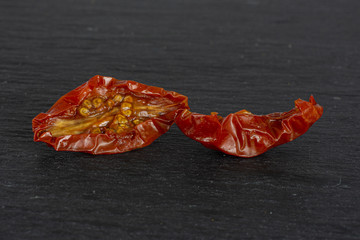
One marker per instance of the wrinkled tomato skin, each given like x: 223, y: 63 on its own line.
x: 247, y: 135
x: 106, y: 143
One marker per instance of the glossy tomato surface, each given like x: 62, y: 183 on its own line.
x: 244, y: 134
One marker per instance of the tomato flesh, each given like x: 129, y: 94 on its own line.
x: 115, y: 113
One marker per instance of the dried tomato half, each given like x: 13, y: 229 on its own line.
x: 244, y: 134
x: 106, y: 116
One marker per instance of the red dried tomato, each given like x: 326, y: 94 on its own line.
x: 244, y: 134
x: 106, y: 116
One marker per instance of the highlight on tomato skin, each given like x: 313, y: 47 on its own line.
x: 244, y: 134
x: 107, y: 116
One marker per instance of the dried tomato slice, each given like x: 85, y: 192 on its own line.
x: 244, y: 134
x: 107, y: 116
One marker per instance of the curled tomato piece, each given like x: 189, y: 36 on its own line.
x: 107, y: 116
x: 244, y: 134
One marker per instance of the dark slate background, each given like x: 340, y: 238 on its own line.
x: 225, y: 56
